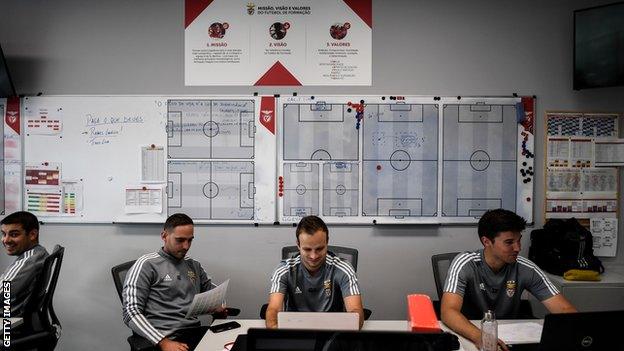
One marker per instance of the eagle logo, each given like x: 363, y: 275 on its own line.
x: 267, y: 115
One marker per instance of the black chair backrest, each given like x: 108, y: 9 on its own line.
x: 39, y: 313
x: 119, y: 276
x: 441, y: 264
x: 346, y: 253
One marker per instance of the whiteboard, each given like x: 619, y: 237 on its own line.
x: 408, y: 159
x: 102, y: 159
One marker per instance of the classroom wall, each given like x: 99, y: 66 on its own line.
x: 442, y: 47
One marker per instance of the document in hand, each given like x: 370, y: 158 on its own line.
x: 209, y: 301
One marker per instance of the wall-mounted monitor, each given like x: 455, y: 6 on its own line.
x: 6, y: 84
x: 599, y: 46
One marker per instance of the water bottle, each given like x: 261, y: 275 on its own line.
x: 489, y: 332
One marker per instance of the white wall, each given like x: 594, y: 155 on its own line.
x: 443, y: 47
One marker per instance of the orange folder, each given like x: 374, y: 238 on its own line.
x: 420, y: 314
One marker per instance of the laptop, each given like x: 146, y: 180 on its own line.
x: 582, y: 331
x: 318, y: 320
x: 347, y: 340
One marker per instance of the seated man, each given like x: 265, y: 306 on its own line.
x: 160, y: 287
x: 20, y: 237
x: 494, y: 278
x: 315, y: 280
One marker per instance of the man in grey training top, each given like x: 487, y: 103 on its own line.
x: 20, y: 237
x: 315, y: 280
x: 160, y: 287
x: 493, y: 278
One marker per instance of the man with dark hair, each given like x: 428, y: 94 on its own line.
x: 160, y: 287
x: 20, y: 237
x: 493, y: 278
x: 315, y: 280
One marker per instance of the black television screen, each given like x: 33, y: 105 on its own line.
x: 599, y: 46
x: 6, y: 85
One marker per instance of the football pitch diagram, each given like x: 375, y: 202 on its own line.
x: 407, y: 160
x: 211, y: 158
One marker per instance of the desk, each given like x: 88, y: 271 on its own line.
x: 215, y: 342
x: 467, y: 345
x: 604, y: 295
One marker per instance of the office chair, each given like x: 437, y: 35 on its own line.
x: 137, y: 342
x: 41, y: 328
x: 119, y: 272
x: 441, y: 264
x: 346, y: 253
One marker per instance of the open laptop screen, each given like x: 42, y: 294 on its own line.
x: 587, y: 331
x: 318, y: 320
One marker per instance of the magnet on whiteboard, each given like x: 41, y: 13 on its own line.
x: 109, y: 178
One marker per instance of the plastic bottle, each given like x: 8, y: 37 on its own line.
x: 489, y: 332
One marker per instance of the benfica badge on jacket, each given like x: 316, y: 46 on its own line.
x: 192, y: 276
x: 511, y: 288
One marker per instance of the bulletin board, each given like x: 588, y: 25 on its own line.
x: 103, y: 159
x: 404, y: 159
x: 581, y: 181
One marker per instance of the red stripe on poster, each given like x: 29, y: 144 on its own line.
x: 192, y: 9
x: 12, y: 115
x: 528, y: 103
x: 278, y: 75
x: 362, y: 8
x: 267, y: 113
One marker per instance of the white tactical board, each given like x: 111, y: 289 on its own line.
x: 409, y: 160
x: 221, y: 163
x: 212, y: 190
x: 141, y: 158
x: 208, y: 129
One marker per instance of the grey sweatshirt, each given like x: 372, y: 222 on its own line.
x: 22, y: 274
x: 158, y: 292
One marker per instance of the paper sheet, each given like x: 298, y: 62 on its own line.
x: 72, y: 196
x: 609, y: 153
x: 144, y: 198
x: 44, y: 121
x: 209, y: 301
x: 604, y: 232
x: 521, y: 332
x: 152, y: 163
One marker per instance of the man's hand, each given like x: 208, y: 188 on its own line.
x: 501, y: 344
x: 220, y: 312
x: 170, y: 345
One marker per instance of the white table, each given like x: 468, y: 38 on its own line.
x: 215, y: 341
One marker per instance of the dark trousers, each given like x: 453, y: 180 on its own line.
x: 189, y: 336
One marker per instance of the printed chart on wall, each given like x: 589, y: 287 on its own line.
x: 11, y: 154
x: 221, y: 165
x: 278, y: 42
x: 580, y: 179
x: 377, y: 159
x: 142, y: 158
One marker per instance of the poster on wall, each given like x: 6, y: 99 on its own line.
x: 278, y: 42
x: 11, y: 151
